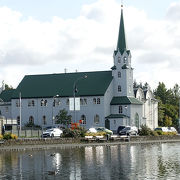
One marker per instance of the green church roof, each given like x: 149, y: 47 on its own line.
x: 121, y: 44
x: 49, y: 85
x: 124, y: 100
x: 6, y: 95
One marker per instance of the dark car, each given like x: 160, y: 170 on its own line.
x: 120, y: 128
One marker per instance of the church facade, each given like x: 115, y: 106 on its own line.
x: 107, y: 98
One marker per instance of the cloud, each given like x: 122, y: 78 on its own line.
x: 87, y: 42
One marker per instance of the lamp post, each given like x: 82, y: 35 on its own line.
x: 54, y: 105
x: 20, y: 112
x: 74, y: 93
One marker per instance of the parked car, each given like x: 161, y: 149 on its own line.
x: 53, y: 132
x: 163, y: 129
x: 129, y: 130
x: 172, y: 129
x: 120, y: 128
x: 100, y: 129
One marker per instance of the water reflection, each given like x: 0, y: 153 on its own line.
x: 159, y: 161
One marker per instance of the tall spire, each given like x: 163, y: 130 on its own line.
x: 121, y: 44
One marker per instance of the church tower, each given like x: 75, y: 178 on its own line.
x: 122, y: 71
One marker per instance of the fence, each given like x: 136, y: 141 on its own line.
x: 26, y: 133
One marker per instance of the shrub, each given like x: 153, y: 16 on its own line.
x: 146, y: 131
x: 96, y: 134
x: 13, y: 136
x: 7, y: 136
x: 1, y: 136
x: 78, y: 132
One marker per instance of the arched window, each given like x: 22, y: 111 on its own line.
x: 119, y: 60
x: 31, y: 120
x: 44, y: 120
x: 137, y: 120
x: 67, y: 102
x: 96, y: 119
x: 125, y: 59
x: 119, y: 88
x: 120, y: 110
x: 18, y: 120
x: 94, y: 100
x: 33, y: 103
x: 56, y: 119
x: 17, y: 103
x: 119, y: 74
x: 81, y: 102
x: 98, y: 101
x: 85, y: 101
x: 83, y: 118
x: 42, y: 102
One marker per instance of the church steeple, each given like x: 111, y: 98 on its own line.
x: 121, y: 44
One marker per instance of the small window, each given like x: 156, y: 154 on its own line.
x: 120, y: 110
x: 67, y: 102
x: 119, y: 74
x: 56, y: 120
x: 18, y: 120
x: 119, y: 60
x: 44, y: 120
x: 125, y: 59
x: 114, y: 122
x: 17, y: 103
x: 119, y: 88
x: 31, y: 120
x: 33, y: 104
x: 6, y: 108
x: 81, y: 102
x: 94, y: 100
x: 96, y: 119
x: 98, y: 101
x: 83, y: 118
x: 85, y: 101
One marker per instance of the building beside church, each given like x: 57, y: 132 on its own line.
x: 107, y: 98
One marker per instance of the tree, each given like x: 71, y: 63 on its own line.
x: 7, y: 87
x: 64, y: 118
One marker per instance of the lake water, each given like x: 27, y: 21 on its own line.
x: 143, y: 161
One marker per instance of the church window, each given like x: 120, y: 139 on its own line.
x: 114, y: 122
x: 83, y: 118
x: 31, y: 120
x: 44, y: 120
x: 96, y: 119
x: 17, y: 103
x: 67, y: 102
x: 125, y: 59
x: 94, y: 100
x: 119, y: 60
x: 18, y: 120
x: 120, y: 110
x: 119, y: 88
x: 6, y: 109
x: 119, y: 74
x: 85, y: 101
x: 81, y: 102
x: 98, y: 101
x: 43, y: 102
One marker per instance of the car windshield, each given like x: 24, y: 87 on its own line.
x: 127, y: 128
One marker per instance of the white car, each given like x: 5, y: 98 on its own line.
x: 53, y: 132
x: 92, y: 130
x: 172, y: 129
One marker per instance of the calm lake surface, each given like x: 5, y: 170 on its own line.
x: 143, y: 161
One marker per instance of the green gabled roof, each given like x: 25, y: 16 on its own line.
x: 6, y: 95
x: 121, y: 44
x: 49, y: 85
x: 116, y: 116
x: 124, y: 100
x: 114, y: 67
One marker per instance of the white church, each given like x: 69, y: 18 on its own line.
x: 107, y: 98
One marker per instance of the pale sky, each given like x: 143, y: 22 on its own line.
x: 47, y: 36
